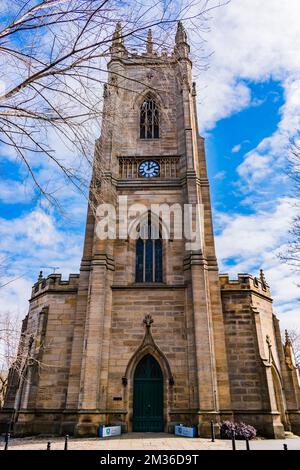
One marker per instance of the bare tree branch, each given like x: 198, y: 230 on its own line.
x: 291, y: 255
x: 52, y: 56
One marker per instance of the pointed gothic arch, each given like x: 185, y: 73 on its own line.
x: 148, y: 346
x: 140, y: 98
x: 159, y: 226
x: 158, y: 355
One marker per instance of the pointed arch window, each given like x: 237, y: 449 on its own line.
x: 149, y: 262
x: 149, y: 119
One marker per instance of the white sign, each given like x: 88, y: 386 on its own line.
x: 185, y: 431
x: 107, y: 431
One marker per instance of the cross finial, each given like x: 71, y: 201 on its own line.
x: 148, y: 320
x: 149, y: 46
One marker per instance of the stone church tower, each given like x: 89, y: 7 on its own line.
x: 148, y: 334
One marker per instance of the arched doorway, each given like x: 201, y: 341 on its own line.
x: 148, y: 396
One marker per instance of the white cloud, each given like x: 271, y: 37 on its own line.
x: 12, y: 192
x: 255, y: 41
x: 219, y: 176
x: 247, y: 236
x: 250, y: 40
x: 40, y: 228
x: 271, y: 154
x: 236, y: 148
x: 254, y: 242
x: 220, y: 99
x: 30, y: 243
x: 37, y: 228
x: 14, y: 296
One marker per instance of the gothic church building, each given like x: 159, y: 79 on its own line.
x: 149, y: 334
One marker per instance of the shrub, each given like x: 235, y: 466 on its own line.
x: 226, y: 429
x: 246, y: 431
x: 242, y: 430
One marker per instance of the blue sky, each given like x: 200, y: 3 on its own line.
x: 249, y: 109
x: 232, y: 137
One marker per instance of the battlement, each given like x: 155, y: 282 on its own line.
x: 155, y: 56
x: 118, y: 49
x: 245, y: 282
x: 54, y: 282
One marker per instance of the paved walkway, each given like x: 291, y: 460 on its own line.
x: 146, y: 441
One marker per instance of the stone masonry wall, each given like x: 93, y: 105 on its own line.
x: 247, y: 383
x: 52, y: 347
x: 166, y: 307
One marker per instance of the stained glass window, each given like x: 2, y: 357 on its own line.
x: 158, y: 260
x: 149, y: 119
x: 149, y: 254
x: 139, y: 260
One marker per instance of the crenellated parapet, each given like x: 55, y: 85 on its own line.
x: 246, y: 282
x: 156, y: 56
x: 54, y: 283
x: 119, y: 51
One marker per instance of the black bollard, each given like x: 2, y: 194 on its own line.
x: 66, y: 442
x: 212, y: 430
x: 285, y: 447
x: 247, y: 444
x: 49, y: 446
x: 233, y: 440
x: 6, y: 439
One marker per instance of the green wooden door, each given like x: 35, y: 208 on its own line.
x: 148, y: 396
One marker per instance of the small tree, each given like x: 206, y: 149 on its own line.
x: 9, y: 339
x: 294, y: 335
x: 20, y: 346
x: 291, y: 254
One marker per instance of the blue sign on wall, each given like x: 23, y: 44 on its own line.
x: 185, y: 431
x: 107, y: 431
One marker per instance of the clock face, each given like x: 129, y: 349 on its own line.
x: 149, y: 169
